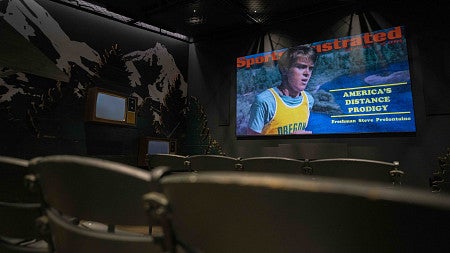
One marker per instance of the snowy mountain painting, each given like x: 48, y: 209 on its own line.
x: 139, y: 62
x: 43, y: 107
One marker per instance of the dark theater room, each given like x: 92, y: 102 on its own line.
x: 226, y: 126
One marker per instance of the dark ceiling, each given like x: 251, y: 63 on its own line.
x: 200, y: 19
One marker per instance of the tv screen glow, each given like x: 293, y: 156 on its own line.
x: 149, y: 145
x: 359, y: 84
x: 110, y: 107
x: 158, y: 147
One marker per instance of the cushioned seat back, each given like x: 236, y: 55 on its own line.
x: 273, y: 165
x: 177, y: 162
x: 213, y: 163
x: 385, y: 172
x: 93, y: 189
x: 256, y: 212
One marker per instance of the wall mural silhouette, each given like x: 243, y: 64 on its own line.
x: 40, y: 113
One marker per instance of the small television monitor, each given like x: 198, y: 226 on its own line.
x: 153, y: 145
x: 358, y: 84
x: 108, y: 106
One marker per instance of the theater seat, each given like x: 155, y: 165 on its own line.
x: 19, y: 209
x: 77, y: 188
x: 361, y: 169
x: 264, y: 212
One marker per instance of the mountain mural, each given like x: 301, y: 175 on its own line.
x: 52, y: 111
x: 35, y: 24
x: 154, y: 70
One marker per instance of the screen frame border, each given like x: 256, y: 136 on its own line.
x: 350, y: 135
x: 143, y: 148
x: 91, y: 107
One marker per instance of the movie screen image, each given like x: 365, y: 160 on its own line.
x: 350, y: 85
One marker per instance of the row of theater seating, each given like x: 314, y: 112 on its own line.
x: 69, y: 204
x: 363, y: 169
